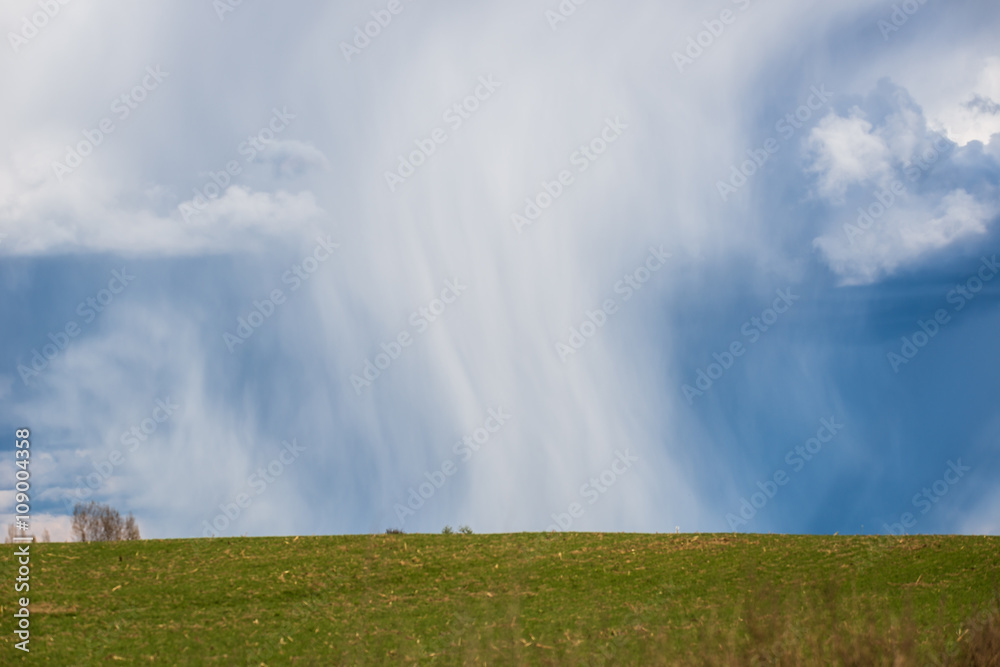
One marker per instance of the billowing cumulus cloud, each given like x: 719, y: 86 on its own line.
x: 890, y: 189
x: 846, y: 153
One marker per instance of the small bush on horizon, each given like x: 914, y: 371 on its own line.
x: 102, y: 523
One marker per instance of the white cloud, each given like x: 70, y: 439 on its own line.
x: 89, y: 212
x: 960, y: 215
x: 895, y: 218
x: 123, y: 196
x: 976, y: 116
x: 845, y: 152
x: 291, y: 157
x: 60, y: 526
x: 904, y: 235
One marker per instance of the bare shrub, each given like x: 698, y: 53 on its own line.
x: 101, y: 523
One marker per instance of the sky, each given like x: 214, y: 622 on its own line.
x: 347, y: 267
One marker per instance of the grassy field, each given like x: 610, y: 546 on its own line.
x: 571, y: 598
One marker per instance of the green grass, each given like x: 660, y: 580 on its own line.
x: 572, y: 598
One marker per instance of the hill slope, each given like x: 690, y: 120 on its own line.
x: 571, y: 598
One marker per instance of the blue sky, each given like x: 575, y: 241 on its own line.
x: 490, y: 267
